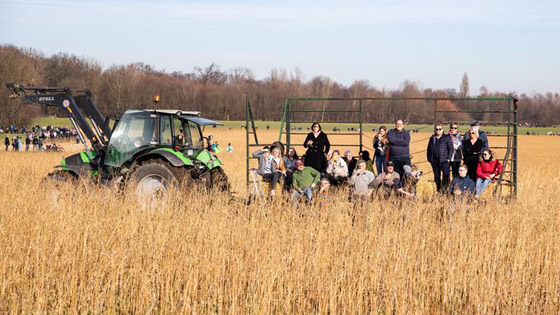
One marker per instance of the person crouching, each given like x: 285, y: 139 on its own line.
x: 361, y: 182
x: 304, y: 179
x: 407, y: 186
x: 387, y: 182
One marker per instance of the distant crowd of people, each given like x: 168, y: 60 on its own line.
x: 35, y: 139
x: 389, y: 173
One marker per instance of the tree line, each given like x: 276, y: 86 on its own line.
x: 220, y: 94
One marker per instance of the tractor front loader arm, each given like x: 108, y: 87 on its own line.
x: 79, y: 106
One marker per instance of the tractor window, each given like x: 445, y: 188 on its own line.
x: 193, y: 135
x: 179, y: 134
x: 165, y: 131
x: 134, y: 132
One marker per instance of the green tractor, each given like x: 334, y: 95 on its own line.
x: 156, y: 149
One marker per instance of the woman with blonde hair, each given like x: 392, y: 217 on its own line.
x: 278, y: 167
x: 472, y: 147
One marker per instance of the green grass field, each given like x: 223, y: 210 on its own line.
x: 328, y: 127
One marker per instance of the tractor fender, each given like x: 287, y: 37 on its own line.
x: 76, y: 164
x: 210, y: 160
x: 69, y: 169
x: 175, y: 158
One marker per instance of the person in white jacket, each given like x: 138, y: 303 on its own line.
x: 337, y: 169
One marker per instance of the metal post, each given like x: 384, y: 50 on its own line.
x: 435, y: 113
x: 247, y: 139
x: 514, y: 103
x: 361, y: 126
x: 282, y: 122
x: 288, y: 128
x: 507, y: 158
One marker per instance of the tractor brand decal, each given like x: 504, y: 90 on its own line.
x: 46, y: 98
x: 137, y: 144
x: 66, y: 103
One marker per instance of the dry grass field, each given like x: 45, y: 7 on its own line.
x: 97, y: 251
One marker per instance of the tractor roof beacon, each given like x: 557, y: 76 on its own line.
x: 156, y: 148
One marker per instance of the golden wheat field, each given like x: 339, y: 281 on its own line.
x: 98, y: 251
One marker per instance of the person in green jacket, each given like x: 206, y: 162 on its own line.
x: 305, y: 178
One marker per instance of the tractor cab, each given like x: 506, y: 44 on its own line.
x: 140, y: 131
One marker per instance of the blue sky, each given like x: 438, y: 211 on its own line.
x: 505, y: 45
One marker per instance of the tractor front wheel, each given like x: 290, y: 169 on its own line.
x: 154, y: 178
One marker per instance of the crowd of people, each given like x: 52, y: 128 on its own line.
x: 467, y: 159
x: 35, y: 139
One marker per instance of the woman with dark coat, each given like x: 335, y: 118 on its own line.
x: 472, y: 148
x: 317, y: 145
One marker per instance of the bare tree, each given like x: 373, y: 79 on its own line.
x: 465, y: 85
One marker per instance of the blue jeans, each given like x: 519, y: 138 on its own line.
x: 308, y: 192
x: 481, y: 185
x: 380, y: 164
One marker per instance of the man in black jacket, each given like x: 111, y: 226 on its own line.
x: 439, y: 153
x: 399, y: 147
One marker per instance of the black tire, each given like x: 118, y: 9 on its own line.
x: 54, y: 185
x: 214, y: 180
x: 156, y: 177
x: 61, y: 176
x: 219, y: 180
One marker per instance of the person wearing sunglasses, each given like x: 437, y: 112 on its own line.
x: 457, y: 156
x: 475, y: 124
x: 488, y: 170
x: 472, y: 148
x: 439, y: 153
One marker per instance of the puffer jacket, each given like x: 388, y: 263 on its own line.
x: 486, y: 168
x: 441, y: 150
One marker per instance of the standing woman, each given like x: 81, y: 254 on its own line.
x: 379, y: 143
x: 317, y: 145
x: 472, y: 147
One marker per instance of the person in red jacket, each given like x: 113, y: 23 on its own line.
x: 487, y: 171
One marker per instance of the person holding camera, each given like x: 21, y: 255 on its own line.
x: 267, y: 169
x: 337, y: 170
x: 407, y: 186
x: 361, y: 181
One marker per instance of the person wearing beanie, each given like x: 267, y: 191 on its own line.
x: 304, y: 180
x: 387, y: 182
